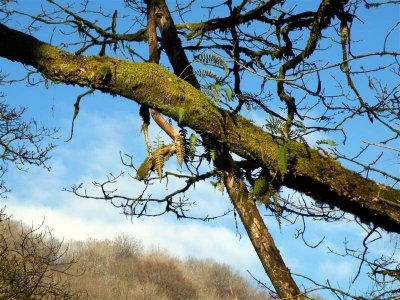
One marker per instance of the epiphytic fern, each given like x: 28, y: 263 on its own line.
x: 180, y: 149
x: 328, y: 142
x: 210, y: 151
x: 207, y: 73
x: 219, y: 86
x: 212, y: 59
x: 158, y: 156
x: 277, y: 127
x: 219, y: 184
x: 192, y: 146
x: 278, y: 210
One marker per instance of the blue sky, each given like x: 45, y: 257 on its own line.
x: 109, y: 125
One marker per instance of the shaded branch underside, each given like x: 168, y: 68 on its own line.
x: 318, y: 176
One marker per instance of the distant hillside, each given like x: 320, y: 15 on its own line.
x: 35, y: 265
x: 120, y: 269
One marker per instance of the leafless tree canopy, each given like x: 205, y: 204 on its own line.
x: 266, y: 98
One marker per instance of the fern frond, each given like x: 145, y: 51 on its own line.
x: 207, y: 73
x: 158, y: 156
x: 278, y: 211
x: 328, y: 142
x: 209, y: 149
x: 192, y: 146
x: 144, y: 169
x: 212, y: 153
x: 220, y: 185
x: 213, y: 59
x: 180, y: 149
x: 275, y: 125
x: 159, y: 163
x: 294, y: 133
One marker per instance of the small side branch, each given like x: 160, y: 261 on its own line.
x: 76, y: 110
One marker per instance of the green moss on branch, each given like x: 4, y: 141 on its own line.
x: 308, y: 171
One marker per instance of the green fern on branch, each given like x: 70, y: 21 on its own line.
x: 213, y: 59
x: 193, y: 141
x: 179, y: 149
x: 158, y: 156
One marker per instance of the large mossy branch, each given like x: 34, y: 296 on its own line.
x: 308, y: 171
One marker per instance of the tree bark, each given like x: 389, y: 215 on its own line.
x: 310, y: 172
x: 249, y: 215
x: 258, y: 233
x: 152, y: 31
x: 173, y: 45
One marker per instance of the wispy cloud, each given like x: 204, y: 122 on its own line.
x: 337, y: 271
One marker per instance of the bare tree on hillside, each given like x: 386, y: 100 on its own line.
x: 32, y: 263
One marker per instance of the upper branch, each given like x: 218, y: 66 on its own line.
x: 320, y: 177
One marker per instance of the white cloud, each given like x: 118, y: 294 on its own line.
x: 337, y: 271
x: 100, y: 220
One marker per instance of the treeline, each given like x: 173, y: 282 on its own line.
x: 36, y: 265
